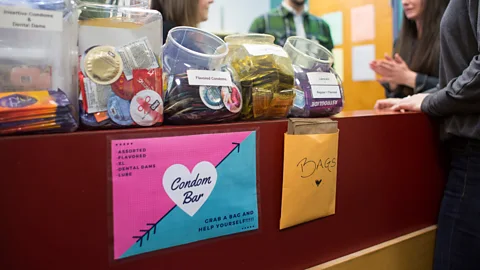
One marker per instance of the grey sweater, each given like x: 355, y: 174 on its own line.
x: 458, y: 99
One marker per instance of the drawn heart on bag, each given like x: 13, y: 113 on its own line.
x: 190, y: 191
x: 318, y: 182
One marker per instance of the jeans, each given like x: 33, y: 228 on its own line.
x: 458, y: 236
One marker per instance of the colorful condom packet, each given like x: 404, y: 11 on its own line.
x: 36, y: 111
x: 137, y: 55
x: 192, y: 104
x: 318, y: 94
x: 135, y: 102
x: 147, y: 79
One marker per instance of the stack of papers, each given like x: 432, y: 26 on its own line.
x: 304, y: 126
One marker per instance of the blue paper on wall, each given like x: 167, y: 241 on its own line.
x: 335, y: 21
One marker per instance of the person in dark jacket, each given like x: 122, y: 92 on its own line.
x: 181, y: 13
x: 457, y: 104
x: 414, y: 65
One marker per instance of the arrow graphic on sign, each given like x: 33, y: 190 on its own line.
x: 237, y: 146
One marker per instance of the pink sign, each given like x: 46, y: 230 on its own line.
x: 138, y: 167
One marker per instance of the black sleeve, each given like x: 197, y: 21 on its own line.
x: 462, y: 94
x: 388, y: 91
x: 424, y: 82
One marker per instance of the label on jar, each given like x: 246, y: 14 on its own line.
x: 326, y: 91
x: 209, y: 78
x: 263, y: 49
x: 324, y: 85
x: 30, y: 19
x: 322, y: 78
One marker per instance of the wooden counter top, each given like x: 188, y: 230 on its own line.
x: 56, y: 215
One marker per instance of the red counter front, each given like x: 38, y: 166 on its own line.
x: 55, y: 198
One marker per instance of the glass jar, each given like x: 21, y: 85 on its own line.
x: 236, y: 41
x: 265, y: 73
x: 120, y: 74
x: 38, y: 91
x: 199, y: 86
x: 319, y: 90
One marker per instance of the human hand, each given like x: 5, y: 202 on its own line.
x: 386, y: 104
x: 410, y: 103
x: 394, y: 71
x: 376, y: 66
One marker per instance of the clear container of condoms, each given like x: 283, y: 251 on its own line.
x: 200, y: 86
x: 265, y: 73
x: 38, y: 63
x: 120, y: 76
x: 318, y: 88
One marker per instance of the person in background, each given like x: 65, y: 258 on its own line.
x: 292, y: 19
x: 414, y: 66
x: 181, y: 13
x: 457, y: 104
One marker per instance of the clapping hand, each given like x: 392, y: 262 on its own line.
x: 394, y: 71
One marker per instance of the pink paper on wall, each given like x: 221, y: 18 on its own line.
x: 363, y: 23
x: 140, y: 184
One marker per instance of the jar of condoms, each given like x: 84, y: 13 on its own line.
x: 265, y: 73
x: 200, y: 87
x: 318, y: 88
x: 120, y: 77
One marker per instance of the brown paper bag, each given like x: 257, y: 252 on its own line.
x: 310, y: 171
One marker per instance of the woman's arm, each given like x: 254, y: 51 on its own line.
x: 424, y: 83
x: 391, y: 90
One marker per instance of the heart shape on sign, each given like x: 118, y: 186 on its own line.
x: 190, y: 191
x: 318, y: 182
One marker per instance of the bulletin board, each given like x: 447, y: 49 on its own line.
x: 361, y: 92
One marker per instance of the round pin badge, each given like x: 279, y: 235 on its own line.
x: 119, y: 111
x: 232, y: 98
x: 212, y: 97
x: 146, y: 108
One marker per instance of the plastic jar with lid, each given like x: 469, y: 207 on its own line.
x: 319, y: 90
x: 199, y: 86
x: 120, y: 75
x: 38, y: 90
x: 265, y: 73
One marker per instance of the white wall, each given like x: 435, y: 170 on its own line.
x: 234, y: 16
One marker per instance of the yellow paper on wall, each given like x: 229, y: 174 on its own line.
x: 309, y: 178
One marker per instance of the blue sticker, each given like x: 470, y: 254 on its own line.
x: 119, y: 111
x: 212, y: 97
x: 299, y: 100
